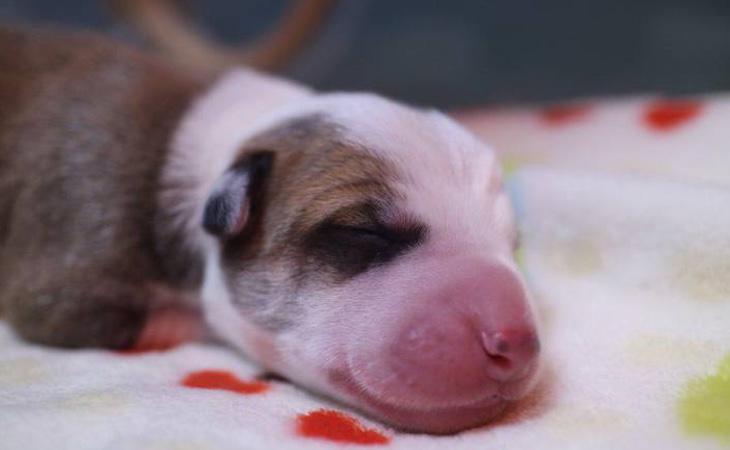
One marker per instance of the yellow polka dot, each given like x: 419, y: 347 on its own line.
x: 179, y: 445
x: 20, y: 372
x: 702, y: 275
x: 578, y: 257
x: 571, y: 422
x: 94, y: 402
x: 660, y: 351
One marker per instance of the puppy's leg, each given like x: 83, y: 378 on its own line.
x: 88, y: 309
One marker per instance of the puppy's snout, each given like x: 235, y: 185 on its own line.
x: 474, y: 333
x: 464, y: 345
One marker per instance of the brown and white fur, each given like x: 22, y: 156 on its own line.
x: 356, y: 246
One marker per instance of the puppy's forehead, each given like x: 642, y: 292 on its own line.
x: 447, y: 178
x: 430, y: 166
x: 444, y: 172
x: 403, y: 134
x: 420, y: 145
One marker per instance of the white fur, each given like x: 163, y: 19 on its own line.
x: 219, y: 310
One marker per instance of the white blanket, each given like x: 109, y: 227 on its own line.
x: 626, y: 243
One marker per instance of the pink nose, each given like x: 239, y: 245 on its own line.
x: 476, y: 334
x: 510, y: 352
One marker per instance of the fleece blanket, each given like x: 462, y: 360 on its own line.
x: 624, y: 208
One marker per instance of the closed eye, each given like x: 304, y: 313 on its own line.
x: 352, y: 249
x: 397, y: 237
x: 370, y: 232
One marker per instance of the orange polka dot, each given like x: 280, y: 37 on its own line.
x: 339, y: 427
x: 563, y: 114
x: 665, y: 115
x: 224, y: 380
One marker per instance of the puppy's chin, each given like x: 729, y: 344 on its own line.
x: 441, y: 418
x: 428, y: 415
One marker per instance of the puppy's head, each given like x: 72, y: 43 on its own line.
x: 364, y: 249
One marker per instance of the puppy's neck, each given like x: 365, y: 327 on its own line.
x: 205, y: 144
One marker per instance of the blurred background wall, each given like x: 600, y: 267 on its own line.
x: 456, y: 53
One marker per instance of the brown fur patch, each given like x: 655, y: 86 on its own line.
x: 315, y: 174
x: 84, y: 130
x: 320, y: 186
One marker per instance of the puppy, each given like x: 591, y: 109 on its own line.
x: 356, y: 246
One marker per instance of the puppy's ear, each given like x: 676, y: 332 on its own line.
x: 228, y: 208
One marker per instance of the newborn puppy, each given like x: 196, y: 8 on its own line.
x: 356, y: 246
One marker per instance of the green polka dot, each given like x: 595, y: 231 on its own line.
x: 510, y: 164
x: 520, y: 257
x: 705, y: 405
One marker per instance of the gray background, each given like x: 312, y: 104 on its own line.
x: 469, y: 52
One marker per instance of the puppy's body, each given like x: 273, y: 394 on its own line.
x: 357, y: 246
x: 85, y: 127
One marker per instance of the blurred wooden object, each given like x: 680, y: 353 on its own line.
x: 164, y: 24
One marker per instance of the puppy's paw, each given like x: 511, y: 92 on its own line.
x: 169, y: 327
